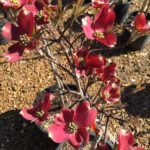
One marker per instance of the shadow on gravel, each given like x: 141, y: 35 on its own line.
x: 110, y: 52
x: 116, y: 51
x: 17, y: 134
x: 137, y: 100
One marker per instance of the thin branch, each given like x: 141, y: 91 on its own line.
x: 63, y: 48
x: 106, y: 127
x: 77, y: 38
x: 62, y: 35
x: 77, y: 101
x: 94, y: 98
x: 54, y: 71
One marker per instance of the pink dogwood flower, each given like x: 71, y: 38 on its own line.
x: 87, y: 62
x: 107, y: 72
x: 40, y: 13
x: 22, y: 33
x: 39, y: 112
x: 100, y: 28
x: 71, y: 125
x: 13, y: 3
x: 100, y: 3
x: 79, y: 59
x: 126, y: 141
x: 141, y: 23
x: 111, y: 92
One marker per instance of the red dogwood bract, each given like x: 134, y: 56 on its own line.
x: 71, y: 125
x: 40, y: 12
x: 102, y: 146
x: 39, y: 112
x: 111, y: 92
x: 126, y: 141
x: 141, y: 23
x: 100, y: 28
x: 22, y: 33
x: 87, y: 62
x: 107, y: 72
x: 100, y: 3
x: 13, y: 3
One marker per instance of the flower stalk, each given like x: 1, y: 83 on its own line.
x: 58, y: 81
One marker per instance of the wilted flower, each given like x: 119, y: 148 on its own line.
x: 126, y: 141
x: 100, y: 28
x: 141, y: 23
x: 22, y: 33
x: 38, y: 112
x: 71, y: 125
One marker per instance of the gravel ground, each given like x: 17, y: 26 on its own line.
x: 21, y: 81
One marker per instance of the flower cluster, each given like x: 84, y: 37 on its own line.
x: 88, y: 64
x: 27, y: 26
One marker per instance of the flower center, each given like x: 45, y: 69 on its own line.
x: 81, y: 61
x: 24, y: 39
x: 72, y: 127
x: 39, y: 113
x: 40, y: 15
x: 114, y: 85
x: 107, y: 94
x: 99, y: 34
x: 15, y: 2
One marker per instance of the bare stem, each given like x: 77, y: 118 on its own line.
x: 77, y: 79
x: 106, y: 126
x: 94, y: 98
x: 60, y: 86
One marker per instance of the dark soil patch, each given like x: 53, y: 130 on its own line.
x: 17, y: 134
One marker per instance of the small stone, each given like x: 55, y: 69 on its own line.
x: 2, y: 145
x: 133, y: 80
x: 22, y: 131
x: 24, y: 124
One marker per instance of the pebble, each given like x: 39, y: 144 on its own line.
x: 22, y: 131
x: 24, y: 124
x: 2, y: 145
